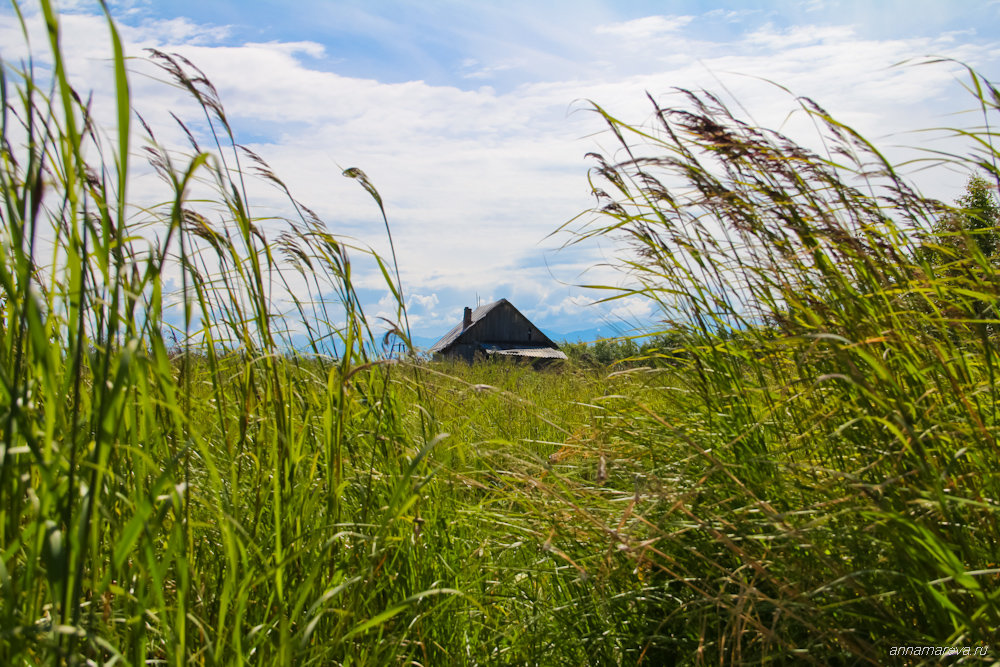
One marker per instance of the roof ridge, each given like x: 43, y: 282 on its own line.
x: 477, y: 316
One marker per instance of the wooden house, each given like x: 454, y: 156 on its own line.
x: 498, y: 330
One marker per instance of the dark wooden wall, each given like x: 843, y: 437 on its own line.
x: 503, y: 324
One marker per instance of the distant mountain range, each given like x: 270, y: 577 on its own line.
x: 581, y: 336
x: 584, y: 335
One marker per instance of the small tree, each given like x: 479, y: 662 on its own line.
x: 965, y: 252
x: 974, y: 223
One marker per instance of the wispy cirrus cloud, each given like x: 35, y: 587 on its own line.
x: 641, y: 30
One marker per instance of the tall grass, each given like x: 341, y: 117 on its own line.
x: 834, y: 417
x: 204, y: 459
x: 184, y: 480
x: 182, y: 486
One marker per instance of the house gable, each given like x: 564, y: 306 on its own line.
x: 497, y: 329
x: 503, y: 324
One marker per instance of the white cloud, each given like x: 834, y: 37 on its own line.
x: 473, y: 69
x: 731, y: 15
x: 475, y: 179
x: 632, y: 311
x: 570, y: 305
x: 778, y: 40
x: 813, y: 5
x: 168, y: 31
x: 311, y: 49
x: 649, y: 27
x: 423, y: 301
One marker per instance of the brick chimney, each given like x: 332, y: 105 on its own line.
x: 467, y: 318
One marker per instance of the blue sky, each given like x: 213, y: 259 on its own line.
x: 471, y: 118
x: 515, y: 42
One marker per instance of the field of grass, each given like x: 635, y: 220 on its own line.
x: 806, y: 470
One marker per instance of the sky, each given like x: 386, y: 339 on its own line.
x: 473, y: 119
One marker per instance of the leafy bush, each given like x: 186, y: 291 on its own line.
x: 603, y: 352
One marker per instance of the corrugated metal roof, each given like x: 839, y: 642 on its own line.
x: 534, y: 351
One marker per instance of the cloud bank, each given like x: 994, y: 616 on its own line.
x: 478, y: 166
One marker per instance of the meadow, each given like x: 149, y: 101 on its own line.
x: 802, y: 468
